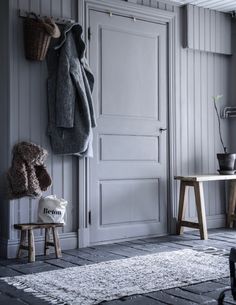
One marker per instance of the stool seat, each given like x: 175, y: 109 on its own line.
x: 27, y: 229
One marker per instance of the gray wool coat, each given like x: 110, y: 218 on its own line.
x: 70, y: 85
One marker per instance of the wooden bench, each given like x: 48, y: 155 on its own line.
x: 28, y: 229
x: 196, y: 181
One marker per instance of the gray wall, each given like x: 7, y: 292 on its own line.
x: 28, y: 121
x: 4, y: 114
x: 232, y: 100
x: 199, y: 76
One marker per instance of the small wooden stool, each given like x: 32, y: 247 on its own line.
x: 27, y: 229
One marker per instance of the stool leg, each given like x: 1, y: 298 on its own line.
x: 31, y: 245
x: 47, y: 239
x: 200, y: 205
x: 232, y: 203
x: 56, y: 242
x: 182, y: 206
x: 22, y: 241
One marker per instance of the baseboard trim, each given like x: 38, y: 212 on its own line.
x: 216, y: 221
x: 8, y: 248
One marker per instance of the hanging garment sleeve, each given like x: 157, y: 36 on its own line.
x: 65, y: 94
x: 88, y: 89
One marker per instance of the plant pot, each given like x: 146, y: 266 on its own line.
x: 226, y: 163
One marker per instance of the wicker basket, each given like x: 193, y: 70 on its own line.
x: 36, y: 39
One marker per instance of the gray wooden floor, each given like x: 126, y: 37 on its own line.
x: 203, y: 293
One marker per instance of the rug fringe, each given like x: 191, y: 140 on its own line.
x: 26, y: 288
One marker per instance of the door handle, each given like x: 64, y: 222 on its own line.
x: 162, y: 129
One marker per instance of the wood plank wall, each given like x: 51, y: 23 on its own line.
x: 28, y: 111
x: 207, y: 30
x: 4, y: 115
x: 232, y: 88
x: 199, y: 76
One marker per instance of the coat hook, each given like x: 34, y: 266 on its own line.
x: 110, y: 14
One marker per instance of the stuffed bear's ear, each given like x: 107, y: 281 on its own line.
x: 17, y: 180
x: 43, y: 177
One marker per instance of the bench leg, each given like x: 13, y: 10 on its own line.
x: 46, y: 241
x: 56, y: 242
x: 31, y: 246
x: 182, y: 206
x: 23, y: 234
x: 200, y: 205
x: 232, y: 203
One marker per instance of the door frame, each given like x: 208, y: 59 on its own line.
x: 131, y: 10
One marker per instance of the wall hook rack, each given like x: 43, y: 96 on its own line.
x: 233, y: 14
x: 228, y: 112
x: 58, y: 20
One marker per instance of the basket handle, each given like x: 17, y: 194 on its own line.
x: 51, y: 28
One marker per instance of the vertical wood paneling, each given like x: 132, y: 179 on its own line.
x: 6, y: 69
x: 146, y: 2
x: 177, y: 109
x: 14, y: 105
x: 218, y: 27
x: 198, y: 113
x: 154, y: 4
x: 161, y: 5
x: 196, y: 141
x: 190, y: 26
x: 29, y: 115
x: 207, y: 30
x: 190, y: 118
x: 157, y: 4
x: 196, y: 28
x: 204, y: 123
x: 212, y: 31
x: 202, y: 28
x: 200, y: 75
x: 23, y: 112
x: 35, y: 111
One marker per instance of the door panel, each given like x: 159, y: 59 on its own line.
x: 129, y: 196
x: 137, y: 148
x: 122, y: 77
x: 127, y: 176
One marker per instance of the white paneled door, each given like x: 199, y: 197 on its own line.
x: 128, y: 174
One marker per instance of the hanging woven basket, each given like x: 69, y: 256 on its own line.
x: 37, y: 36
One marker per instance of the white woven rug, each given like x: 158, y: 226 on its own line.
x: 92, y: 284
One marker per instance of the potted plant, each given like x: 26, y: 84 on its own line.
x: 226, y: 160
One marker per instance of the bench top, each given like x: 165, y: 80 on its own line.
x: 206, y: 177
x: 27, y: 226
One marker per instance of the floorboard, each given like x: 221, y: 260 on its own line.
x: 201, y: 293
